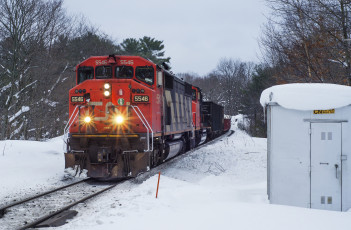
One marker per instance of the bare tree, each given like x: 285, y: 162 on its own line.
x: 225, y: 85
x: 26, y: 27
x: 307, y: 40
x: 234, y: 76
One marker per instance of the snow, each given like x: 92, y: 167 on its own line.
x: 22, y: 110
x: 307, y: 96
x: 5, y: 88
x: 221, y: 185
x: 16, y: 131
x: 30, y: 84
x: 28, y: 165
x: 50, y: 103
x: 240, y: 121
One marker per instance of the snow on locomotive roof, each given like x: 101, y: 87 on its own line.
x: 307, y: 96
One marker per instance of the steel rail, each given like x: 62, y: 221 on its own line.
x: 3, y: 209
x: 42, y: 219
x: 228, y: 133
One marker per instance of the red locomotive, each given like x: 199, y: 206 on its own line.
x: 127, y: 114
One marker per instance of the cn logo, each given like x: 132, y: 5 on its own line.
x: 120, y: 101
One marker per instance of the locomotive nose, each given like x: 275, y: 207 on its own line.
x: 120, y: 94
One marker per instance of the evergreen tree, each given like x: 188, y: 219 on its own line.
x: 153, y: 49
x: 131, y: 46
x: 146, y: 47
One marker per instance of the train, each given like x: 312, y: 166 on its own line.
x: 128, y: 115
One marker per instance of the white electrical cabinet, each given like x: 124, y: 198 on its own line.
x: 309, y: 145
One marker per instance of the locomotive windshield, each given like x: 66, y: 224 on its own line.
x: 85, y: 73
x: 124, y: 71
x: 145, y: 74
x: 102, y: 72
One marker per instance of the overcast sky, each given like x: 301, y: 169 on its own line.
x: 196, y: 33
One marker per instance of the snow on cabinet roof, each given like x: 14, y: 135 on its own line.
x: 307, y: 96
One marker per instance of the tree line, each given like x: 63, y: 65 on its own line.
x: 39, y: 47
x: 303, y: 41
x: 309, y: 41
x: 237, y: 86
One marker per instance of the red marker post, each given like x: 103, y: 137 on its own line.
x: 158, y: 183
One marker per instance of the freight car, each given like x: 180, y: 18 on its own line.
x: 127, y: 114
x: 213, y: 119
x: 227, y: 123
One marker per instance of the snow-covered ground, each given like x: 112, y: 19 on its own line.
x: 219, y: 186
x: 27, y: 167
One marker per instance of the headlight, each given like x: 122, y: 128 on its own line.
x: 87, y: 119
x: 119, y: 119
x: 107, y: 89
x: 107, y: 86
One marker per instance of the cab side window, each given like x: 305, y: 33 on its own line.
x: 85, y: 73
x: 194, y: 95
x: 103, y: 72
x: 124, y: 71
x: 145, y: 74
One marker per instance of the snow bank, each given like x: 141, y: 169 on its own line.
x: 307, y: 96
x: 28, y: 165
x: 219, y: 186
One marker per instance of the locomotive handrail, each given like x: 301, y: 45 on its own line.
x: 144, y: 118
x: 148, y: 128
x: 69, y: 123
x: 152, y: 132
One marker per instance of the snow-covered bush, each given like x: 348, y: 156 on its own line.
x: 240, y: 121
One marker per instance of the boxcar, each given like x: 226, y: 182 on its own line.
x: 213, y: 118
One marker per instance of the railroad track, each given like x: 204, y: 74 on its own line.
x: 50, y: 208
